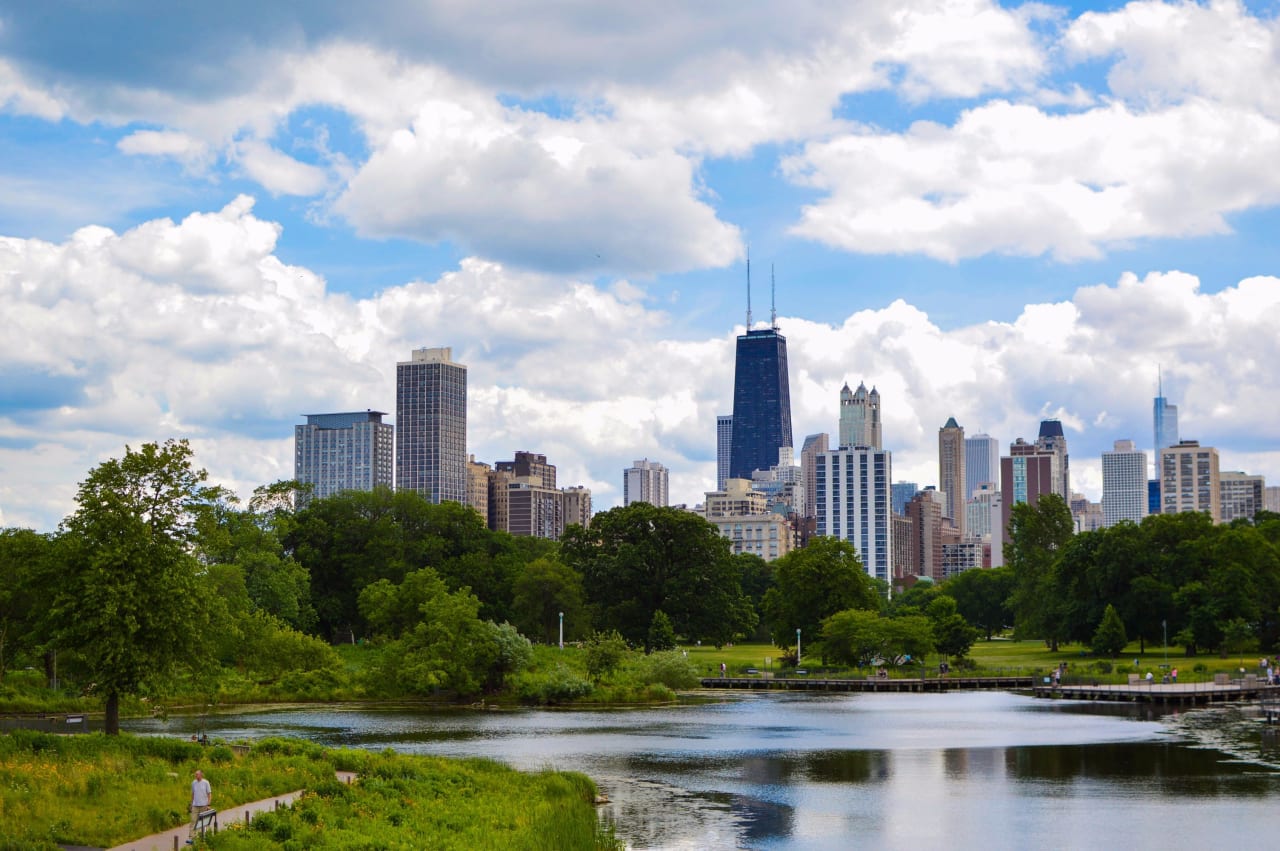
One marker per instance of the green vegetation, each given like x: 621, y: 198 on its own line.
x: 99, y: 790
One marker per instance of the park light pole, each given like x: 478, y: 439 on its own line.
x: 797, y: 647
x: 562, y: 630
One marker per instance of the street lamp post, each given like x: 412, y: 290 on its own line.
x: 797, y: 647
x: 562, y: 630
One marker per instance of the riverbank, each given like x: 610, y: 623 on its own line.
x: 102, y: 791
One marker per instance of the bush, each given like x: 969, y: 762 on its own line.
x: 558, y: 684
x: 672, y: 669
x: 1102, y: 666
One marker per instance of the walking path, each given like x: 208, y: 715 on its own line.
x: 239, y: 814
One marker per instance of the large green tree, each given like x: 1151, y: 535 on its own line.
x: 639, y: 559
x: 813, y: 583
x: 546, y: 589
x: 982, y: 598
x: 1037, y: 534
x: 24, y: 557
x: 128, y: 597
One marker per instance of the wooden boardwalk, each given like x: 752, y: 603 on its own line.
x: 1175, y: 694
x: 870, y: 684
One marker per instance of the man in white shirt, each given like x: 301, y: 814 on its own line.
x: 201, y: 800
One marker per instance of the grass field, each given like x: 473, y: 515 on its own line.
x: 1001, y: 656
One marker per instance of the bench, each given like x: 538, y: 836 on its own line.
x: 205, y: 819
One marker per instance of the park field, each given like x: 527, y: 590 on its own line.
x: 1000, y: 656
x: 96, y: 790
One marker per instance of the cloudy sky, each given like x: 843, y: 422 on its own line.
x: 215, y: 218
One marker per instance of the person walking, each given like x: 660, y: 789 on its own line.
x: 201, y: 801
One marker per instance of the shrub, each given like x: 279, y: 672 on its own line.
x: 672, y: 669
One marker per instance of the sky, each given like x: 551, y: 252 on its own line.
x: 217, y: 218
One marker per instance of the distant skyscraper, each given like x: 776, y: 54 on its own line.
x: 761, y: 402
x: 724, y: 442
x: 1241, y: 495
x: 900, y: 494
x: 342, y: 452
x: 981, y: 462
x: 1165, y: 421
x: 1052, y: 440
x: 1189, y: 479
x: 1026, y: 474
x: 645, y: 481
x: 813, y: 444
x: 1124, y: 484
x: 431, y: 425
x: 925, y: 511
x: 951, y: 469
x: 1271, y: 498
x: 860, y: 417
x: 851, y: 502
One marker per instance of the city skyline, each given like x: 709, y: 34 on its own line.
x: 211, y: 225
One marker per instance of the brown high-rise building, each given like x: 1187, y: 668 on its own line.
x: 1026, y: 474
x: 925, y: 512
x: 951, y: 473
x: 530, y: 465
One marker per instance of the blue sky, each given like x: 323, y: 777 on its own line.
x: 213, y: 220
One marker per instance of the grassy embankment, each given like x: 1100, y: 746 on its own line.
x: 99, y: 790
x: 998, y: 657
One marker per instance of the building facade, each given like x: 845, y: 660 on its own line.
x: 925, y: 513
x: 1026, y: 474
x: 900, y: 494
x: 951, y: 470
x: 767, y: 535
x: 737, y: 499
x: 645, y: 481
x: 860, y: 417
x: 431, y: 425
x: 1240, y: 495
x: 342, y: 452
x: 851, y: 502
x: 1189, y: 479
x: 813, y: 445
x: 1054, y: 441
x: 724, y: 447
x: 1124, y: 483
x: 478, y: 486
x: 1271, y: 498
x: 761, y: 402
x: 1164, y: 420
x: 981, y: 462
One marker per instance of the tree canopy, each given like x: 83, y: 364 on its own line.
x: 813, y: 583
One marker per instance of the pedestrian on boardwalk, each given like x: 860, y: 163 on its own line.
x: 722, y: 669
x: 201, y: 801
x: 1174, y: 674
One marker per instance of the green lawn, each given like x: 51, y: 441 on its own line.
x: 1000, y: 656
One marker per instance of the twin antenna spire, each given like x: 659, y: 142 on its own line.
x: 773, y: 295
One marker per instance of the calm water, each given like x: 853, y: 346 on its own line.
x: 975, y: 770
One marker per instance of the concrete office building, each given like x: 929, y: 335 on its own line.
x: 951, y: 470
x: 860, y: 417
x: 767, y: 535
x: 1124, y: 483
x: 431, y: 425
x: 724, y: 446
x: 1189, y: 479
x: 981, y: 462
x: 478, y: 486
x: 851, y: 502
x: 1240, y: 495
x: 342, y: 452
x: 813, y: 445
x: 645, y: 481
x: 737, y: 499
x: 1271, y: 498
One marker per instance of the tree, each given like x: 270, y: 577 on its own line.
x: 982, y: 598
x: 1109, y: 639
x: 128, y: 597
x: 605, y: 652
x: 952, y: 635
x: 862, y: 638
x: 1036, y: 534
x: 543, y: 590
x: 661, y: 635
x: 24, y: 555
x: 640, y: 558
x: 813, y: 583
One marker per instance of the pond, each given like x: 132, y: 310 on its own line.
x: 961, y: 770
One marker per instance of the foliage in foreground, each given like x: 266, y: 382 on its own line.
x: 105, y: 790
x: 429, y: 802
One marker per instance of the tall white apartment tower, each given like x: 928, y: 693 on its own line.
x: 431, y: 425
x: 851, y: 502
x: 724, y: 446
x: 645, y: 481
x: 1124, y: 484
x: 981, y: 462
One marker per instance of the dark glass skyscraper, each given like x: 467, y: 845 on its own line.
x: 761, y: 402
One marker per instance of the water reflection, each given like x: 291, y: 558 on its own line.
x: 887, y: 771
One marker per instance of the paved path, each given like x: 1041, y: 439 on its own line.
x: 238, y: 814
